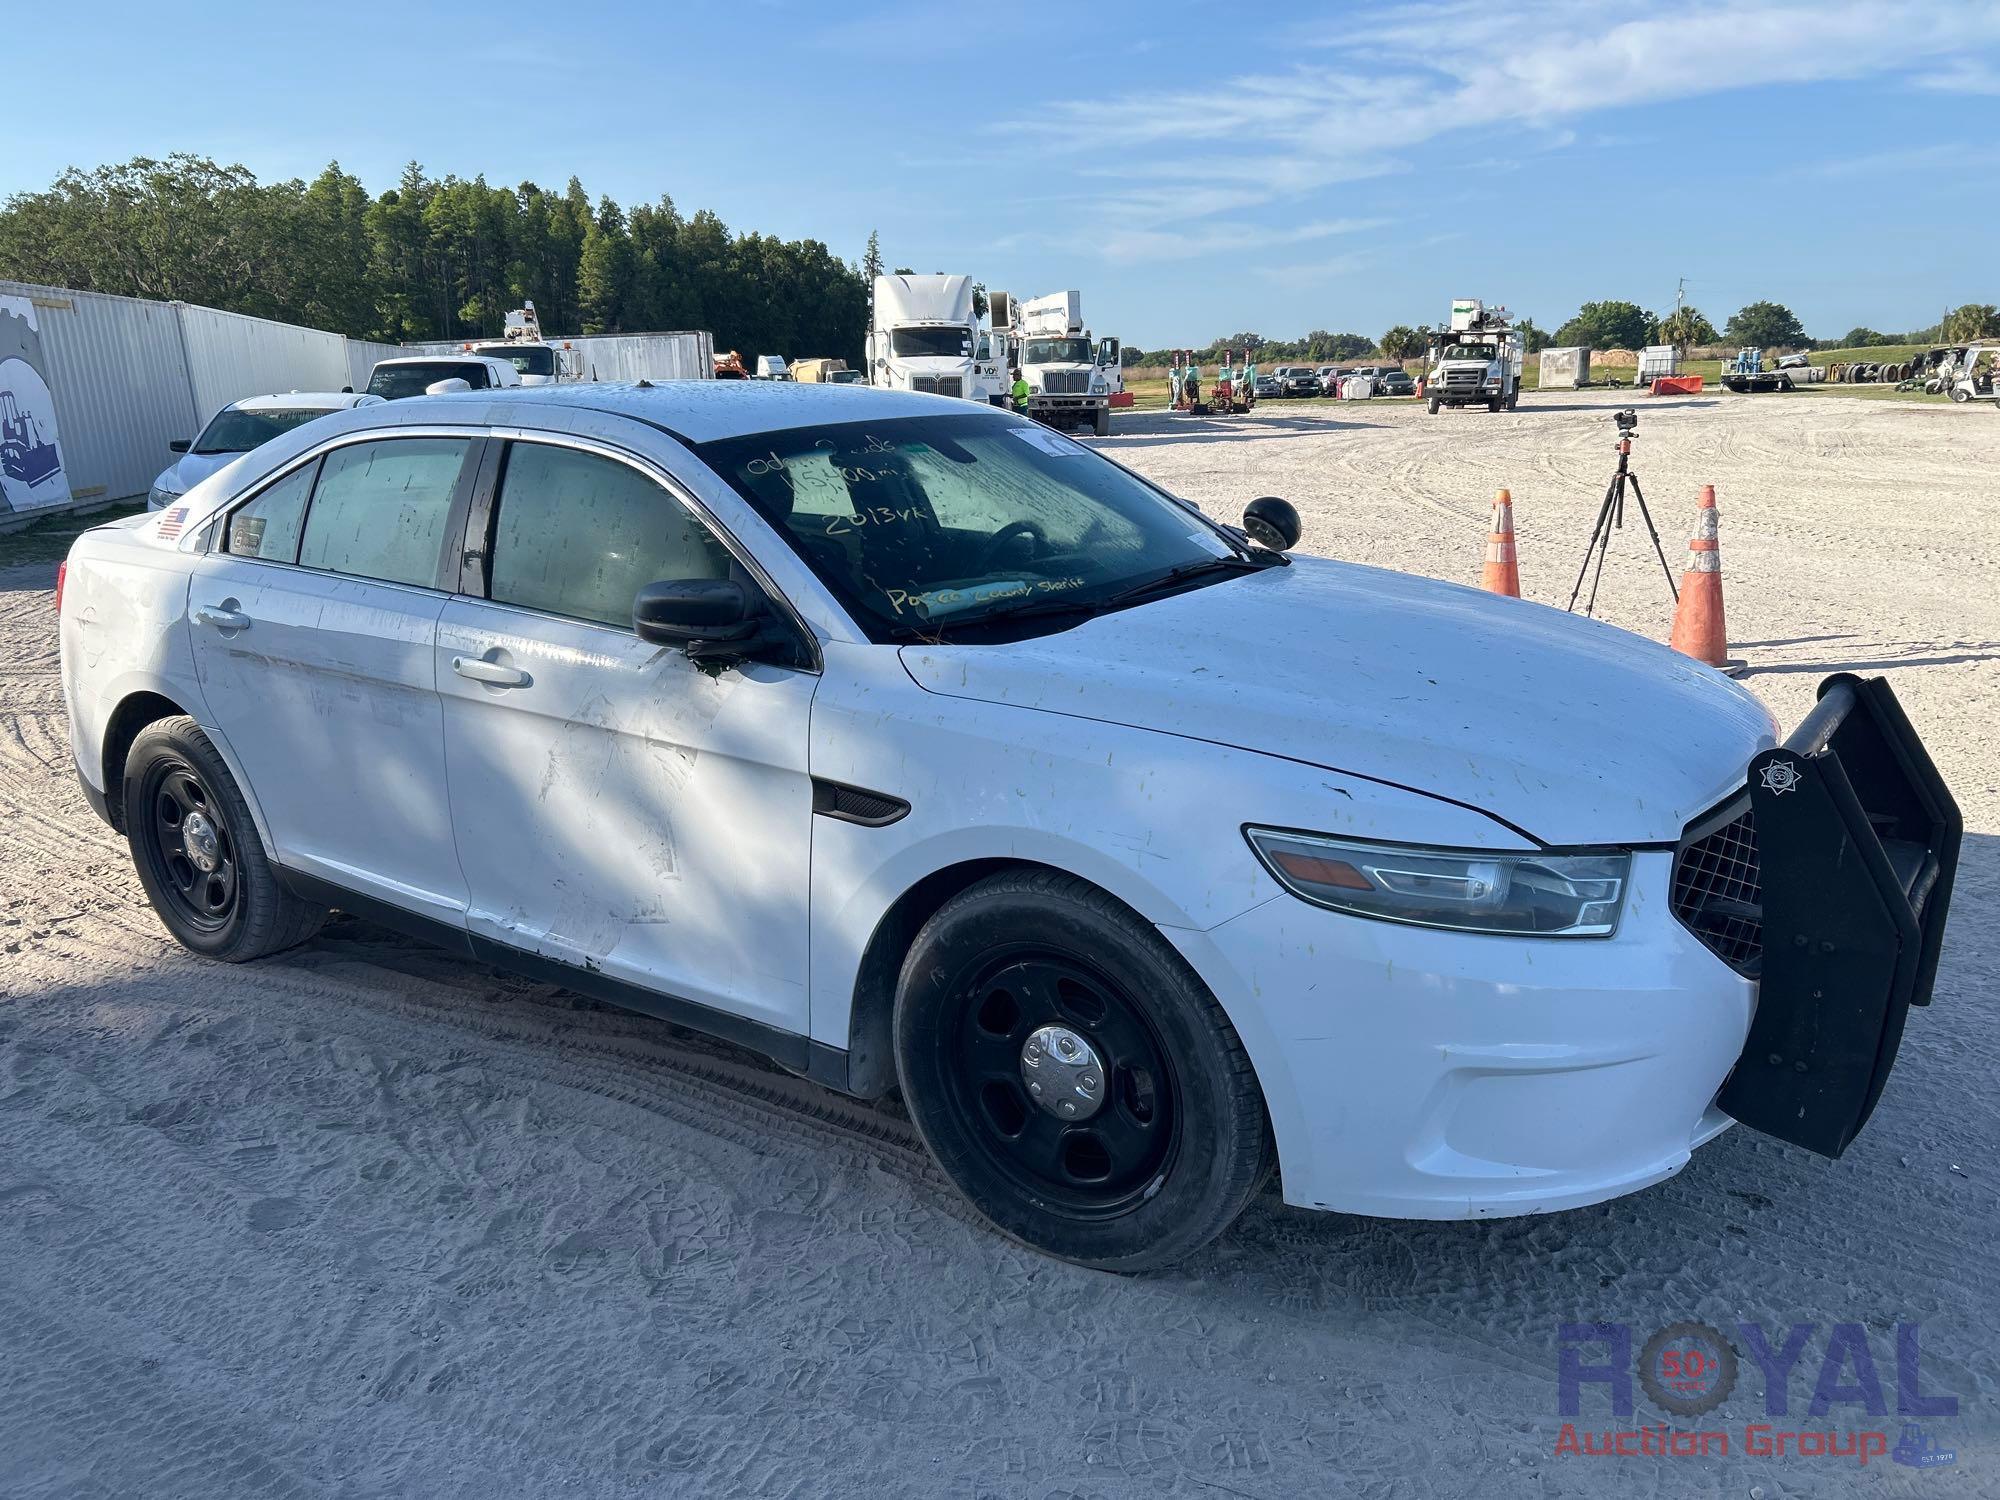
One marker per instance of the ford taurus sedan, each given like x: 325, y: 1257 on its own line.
x: 921, y: 748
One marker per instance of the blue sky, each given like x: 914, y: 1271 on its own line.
x: 1196, y: 170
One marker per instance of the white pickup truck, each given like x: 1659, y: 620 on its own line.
x: 920, y: 747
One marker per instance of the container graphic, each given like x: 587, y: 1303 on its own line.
x: 31, y: 466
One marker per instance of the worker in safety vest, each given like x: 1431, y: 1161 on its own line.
x: 1020, y: 392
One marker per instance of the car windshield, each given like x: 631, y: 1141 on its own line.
x: 395, y: 382
x: 1058, y: 352
x: 529, y: 359
x: 926, y: 525
x: 235, y: 430
x: 931, y: 343
x: 1470, y: 351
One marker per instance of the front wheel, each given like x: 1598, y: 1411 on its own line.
x: 1074, y: 1078
x: 1960, y: 394
x: 198, y: 852
x: 1102, y: 422
x: 1434, y: 405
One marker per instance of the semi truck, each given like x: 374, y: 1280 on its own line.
x: 1066, y: 370
x: 1475, y: 359
x: 924, y: 334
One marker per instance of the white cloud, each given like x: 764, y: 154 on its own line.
x: 1467, y: 67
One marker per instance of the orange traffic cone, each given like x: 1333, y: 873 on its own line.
x: 1501, y: 575
x: 1698, y: 627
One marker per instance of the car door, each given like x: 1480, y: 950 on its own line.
x: 313, y: 621
x: 617, y: 808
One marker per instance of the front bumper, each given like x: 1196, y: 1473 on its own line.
x: 1417, y: 1073
x: 1423, y: 1074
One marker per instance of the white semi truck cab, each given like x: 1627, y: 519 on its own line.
x: 1476, y: 359
x: 925, y: 336
x: 1068, y: 372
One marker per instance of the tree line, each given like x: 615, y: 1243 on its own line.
x: 1602, y: 325
x: 428, y: 258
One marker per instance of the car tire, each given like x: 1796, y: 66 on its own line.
x: 1102, y: 423
x: 198, y: 852
x: 1171, y: 1141
x: 1960, y: 394
x: 1434, y: 404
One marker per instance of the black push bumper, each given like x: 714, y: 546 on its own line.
x: 1856, y: 844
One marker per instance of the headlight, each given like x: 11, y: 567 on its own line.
x: 158, y: 498
x: 1538, y: 895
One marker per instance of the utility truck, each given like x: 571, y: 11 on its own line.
x: 924, y: 334
x: 1475, y: 359
x: 1063, y: 365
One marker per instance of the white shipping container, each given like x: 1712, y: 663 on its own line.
x: 612, y: 356
x: 231, y: 356
x: 128, y: 376
x: 118, y: 374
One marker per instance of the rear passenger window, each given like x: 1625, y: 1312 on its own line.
x: 380, y: 509
x: 268, y: 527
x: 580, y: 535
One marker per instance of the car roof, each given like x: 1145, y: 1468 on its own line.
x: 294, y: 400
x: 702, y: 411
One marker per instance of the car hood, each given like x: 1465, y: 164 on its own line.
x: 1570, y: 730
x: 190, y: 469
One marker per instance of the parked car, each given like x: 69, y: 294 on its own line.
x: 1329, y: 378
x: 772, y: 367
x: 923, y: 748
x: 847, y: 377
x: 1393, y: 380
x: 1298, y: 380
x: 1268, y: 386
x: 398, y: 379
x: 238, y: 428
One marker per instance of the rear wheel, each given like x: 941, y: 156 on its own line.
x: 1074, y: 1078
x: 198, y: 853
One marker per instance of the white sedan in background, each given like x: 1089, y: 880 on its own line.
x: 238, y: 428
x: 922, y: 748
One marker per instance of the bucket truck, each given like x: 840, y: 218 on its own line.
x: 1476, y: 359
x: 1064, y: 367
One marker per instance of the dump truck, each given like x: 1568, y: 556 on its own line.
x: 1475, y: 359
x: 924, y: 334
x: 1063, y: 365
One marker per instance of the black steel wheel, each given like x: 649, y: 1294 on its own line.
x: 198, y: 852
x: 1069, y: 1090
x: 187, y: 843
x: 1073, y: 1077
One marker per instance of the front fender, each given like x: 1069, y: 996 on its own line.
x: 1154, y: 819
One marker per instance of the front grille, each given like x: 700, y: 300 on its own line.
x: 1718, y: 892
x: 1066, y: 382
x: 1463, y: 380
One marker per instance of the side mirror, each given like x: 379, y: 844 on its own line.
x: 180, y: 445
x: 714, y: 619
x: 1272, y: 523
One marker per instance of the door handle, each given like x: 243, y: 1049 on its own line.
x: 492, y: 673
x: 224, y: 616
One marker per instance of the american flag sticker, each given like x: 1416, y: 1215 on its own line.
x: 171, y: 523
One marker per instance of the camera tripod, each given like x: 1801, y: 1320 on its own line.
x: 1611, y: 514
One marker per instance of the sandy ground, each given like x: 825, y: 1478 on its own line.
x: 365, y: 1219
